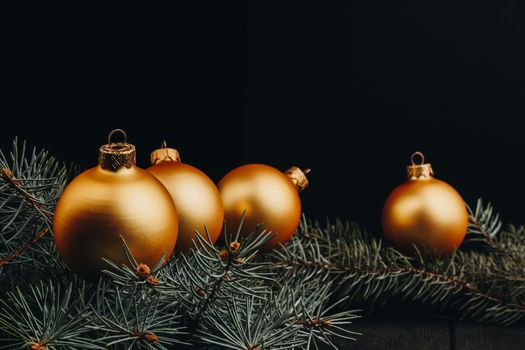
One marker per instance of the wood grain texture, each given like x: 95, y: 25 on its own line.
x: 416, y: 332
x: 471, y: 336
x: 390, y: 333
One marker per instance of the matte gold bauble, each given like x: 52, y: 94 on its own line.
x: 425, y: 212
x: 195, y: 195
x: 268, y: 196
x: 113, y: 199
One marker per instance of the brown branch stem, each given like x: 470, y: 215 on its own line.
x: 456, y: 282
x: 8, y: 177
x: 17, y: 252
x: 228, y: 255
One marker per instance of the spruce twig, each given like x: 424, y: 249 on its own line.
x: 208, y: 275
x: 469, y: 284
x: 15, y: 184
x: 30, y: 183
x: 44, y: 318
x: 14, y: 254
x: 483, y: 228
x: 133, y: 318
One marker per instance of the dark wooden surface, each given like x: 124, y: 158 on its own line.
x: 391, y: 332
x: 474, y: 337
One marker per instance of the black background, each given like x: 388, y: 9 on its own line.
x: 349, y: 89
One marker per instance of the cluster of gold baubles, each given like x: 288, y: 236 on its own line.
x: 159, y: 210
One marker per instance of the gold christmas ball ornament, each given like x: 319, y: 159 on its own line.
x: 268, y: 196
x: 114, y: 199
x: 425, y: 212
x: 195, y: 195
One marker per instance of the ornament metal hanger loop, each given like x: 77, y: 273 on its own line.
x: 419, y: 170
x: 114, y: 155
x: 112, y: 132
x: 164, y: 154
x: 173, y: 156
x: 298, y: 177
x: 417, y: 154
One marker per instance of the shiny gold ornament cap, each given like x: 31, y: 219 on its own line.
x: 419, y: 171
x: 164, y: 154
x: 115, y: 155
x: 298, y: 177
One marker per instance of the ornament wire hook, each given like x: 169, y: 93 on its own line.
x: 110, y: 135
x: 163, y: 144
x: 417, y: 154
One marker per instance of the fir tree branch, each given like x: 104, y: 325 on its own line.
x: 319, y: 324
x: 135, y: 273
x: 48, y: 317
x: 291, y: 318
x: 209, y: 276
x: 483, y: 228
x: 23, y: 248
x: 133, y: 318
x: 251, y: 324
x: 30, y: 184
x: 7, y: 176
x: 476, y: 286
x: 209, y: 297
